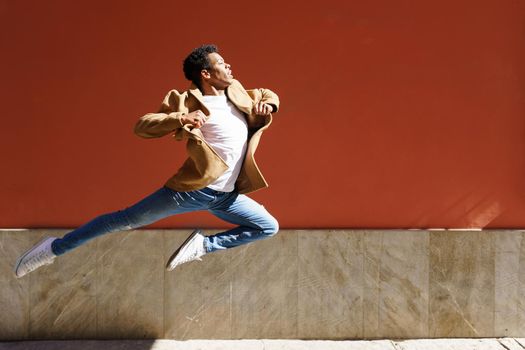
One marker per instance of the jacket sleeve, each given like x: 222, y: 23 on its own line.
x: 165, y: 121
x: 265, y: 96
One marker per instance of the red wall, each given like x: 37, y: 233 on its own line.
x: 395, y: 114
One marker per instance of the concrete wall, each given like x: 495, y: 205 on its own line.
x: 299, y: 284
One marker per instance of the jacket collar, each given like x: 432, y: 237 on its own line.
x: 239, y: 97
x: 194, y: 90
x: 234, y: 94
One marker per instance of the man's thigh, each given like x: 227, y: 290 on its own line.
x: 160, y: 204
x: 245, y: 211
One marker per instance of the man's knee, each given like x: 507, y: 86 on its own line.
x: 271, y: 227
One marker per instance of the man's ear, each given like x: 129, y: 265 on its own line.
x: 205, y: 74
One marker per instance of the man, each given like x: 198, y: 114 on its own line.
x: 222, y: 123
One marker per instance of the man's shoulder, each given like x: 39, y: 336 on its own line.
x: 174, y: 95
x: 176, y: 92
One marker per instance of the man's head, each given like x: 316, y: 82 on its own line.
x: 204, y: 65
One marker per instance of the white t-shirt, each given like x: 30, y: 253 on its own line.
x: 226, y: 131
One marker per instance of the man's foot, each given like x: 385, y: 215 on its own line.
x: 191, y: 249
x: 39, y: 255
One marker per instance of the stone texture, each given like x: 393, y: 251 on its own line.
x: 198, y: 295
x: 163, y: 344
x: 14, y: 293
x: 330, y: 285
x: 461, y: 284
x: 244, y: 292
x: 314, y: 284
x: 63, y: 295
x: 510, y: 344
x: 403, y: 283
x: 214, y: 345
x: 450, y: 344
x: 264, y: 288
x: 372, y: 252
x: 509, y: 319
x: 521, y: 342
x: 327, y: 345
x: 130, y: 279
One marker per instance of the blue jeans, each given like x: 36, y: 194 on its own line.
x: 254, y: 221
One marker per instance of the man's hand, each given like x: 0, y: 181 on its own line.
x: 195, y: 118
x: 262, y: 109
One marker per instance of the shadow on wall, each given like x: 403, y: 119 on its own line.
x: 83, y: 345
x: 467, y: 209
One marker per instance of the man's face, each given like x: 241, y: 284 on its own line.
x: 220, y: 74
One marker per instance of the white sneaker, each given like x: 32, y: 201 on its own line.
x: 191, y: 249
x: 39, y: 255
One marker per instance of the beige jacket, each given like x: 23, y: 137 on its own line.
x: 204, y: 165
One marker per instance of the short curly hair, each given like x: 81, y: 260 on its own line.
x: 196, y: 61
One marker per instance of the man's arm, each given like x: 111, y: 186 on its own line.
x: 265, y: 100
x: 168, y: 119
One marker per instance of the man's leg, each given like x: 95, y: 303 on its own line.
x: 255, y: 223
x: 158, y: 205
x: 254, y: 220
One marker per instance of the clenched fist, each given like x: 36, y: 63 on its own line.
x: 195, y: 118
x: 262, y: 109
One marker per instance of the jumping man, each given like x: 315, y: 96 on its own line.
x: 222, y: 124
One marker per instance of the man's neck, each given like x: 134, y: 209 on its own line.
x: 210, y: 90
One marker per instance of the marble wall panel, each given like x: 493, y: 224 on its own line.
x: 372, y: 252
x: 14, y: 293
x: 63, y: 295
x: 130, y: 281
x: 403, y: 284
x: 519, y: 330
x: 461, y: 284
x: 330, y: 294
x: 300, y: 284
x: 264, y: 288
x: 198, y: 295
x: 509, y: 282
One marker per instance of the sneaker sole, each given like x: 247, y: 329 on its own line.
x: 19, y: 260
x: 172, y: 257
